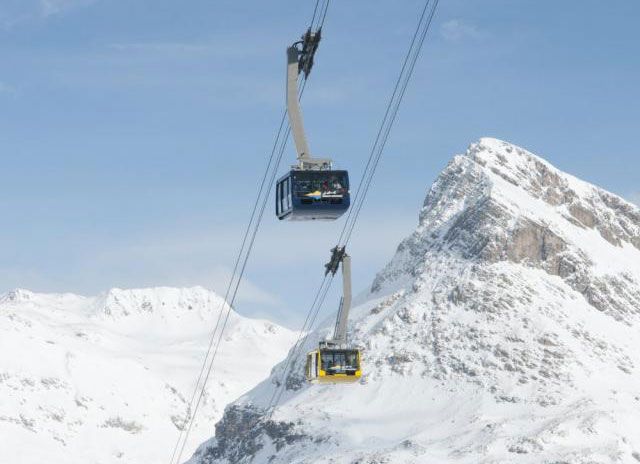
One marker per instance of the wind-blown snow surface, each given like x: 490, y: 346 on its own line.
x: 107, y: 380
x: 505, y: 329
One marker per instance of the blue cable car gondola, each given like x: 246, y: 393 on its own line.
x: 304, y: 195
x: 311, y: 189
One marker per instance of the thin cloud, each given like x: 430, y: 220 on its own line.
x: 248, y: 293
x: 162, y: 47
x: 176, y: 262
x: 6, y: 89
x: 228, y: 45
x: 456, y: 30
x: 17, y: 12
x: 54, y: 7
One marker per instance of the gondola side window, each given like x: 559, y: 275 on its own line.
x: 352, y: 359
x: 288, y: 193
x: 312, y: 365
x: 335, y: 362
x: 278, y: 198
x: 284, y: 195
x: 331, y: 361
x: 320, y: 185
x: 281, y: 195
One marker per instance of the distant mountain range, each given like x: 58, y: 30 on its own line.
x: 108, y: 379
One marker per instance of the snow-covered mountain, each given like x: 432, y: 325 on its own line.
x: 108, y: 379
x: 505, y: 329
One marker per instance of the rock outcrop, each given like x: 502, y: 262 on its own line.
x: 505, y: 329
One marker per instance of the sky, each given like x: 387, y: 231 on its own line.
x: 133, y: 134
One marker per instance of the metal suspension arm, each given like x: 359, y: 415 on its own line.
x: 339, y: 256
x: 293, y: 106
x: 300, y: 60
x: 340, y: 335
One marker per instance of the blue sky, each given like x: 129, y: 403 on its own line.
x: 132, y: 134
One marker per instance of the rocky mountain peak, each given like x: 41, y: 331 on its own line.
x: 500, y: 203
x: 504, y: 328
x: 16, y: 295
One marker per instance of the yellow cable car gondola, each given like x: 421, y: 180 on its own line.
x: 330, y: 364
x: 335, y: 360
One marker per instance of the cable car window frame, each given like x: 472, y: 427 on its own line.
x: 314, y: 181
x: 325, y: 205
x: 278, y: 209
x: 311, y: 367
x: 349, y: 362
x: 287, y: 193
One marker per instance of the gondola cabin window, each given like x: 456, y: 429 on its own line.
x: 309, y: 195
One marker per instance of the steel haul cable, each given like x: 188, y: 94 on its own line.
x: 424, y: 24
x: 243, y: 255
x: 363, y: 188
x: 393, y: 106
x: 208, y: 361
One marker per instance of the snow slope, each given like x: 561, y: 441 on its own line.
x: 107, y: 380
x: 505, y: 329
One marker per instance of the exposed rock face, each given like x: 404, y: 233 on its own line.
x: 511, y: 206
x: 250, y: 424
x: 505, y: 329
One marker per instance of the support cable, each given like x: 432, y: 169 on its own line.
x: 234, y: 281
x: 393, y: 106
x: 388, y: 120
x: 244, y: 253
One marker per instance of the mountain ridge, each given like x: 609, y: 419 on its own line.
x: 503, y: 330
x: 107, y: 379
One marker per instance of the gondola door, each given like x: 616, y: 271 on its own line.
x: 312, y: 365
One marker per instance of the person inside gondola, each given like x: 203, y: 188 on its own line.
x: 336, y: 185
x: 330, y: 366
